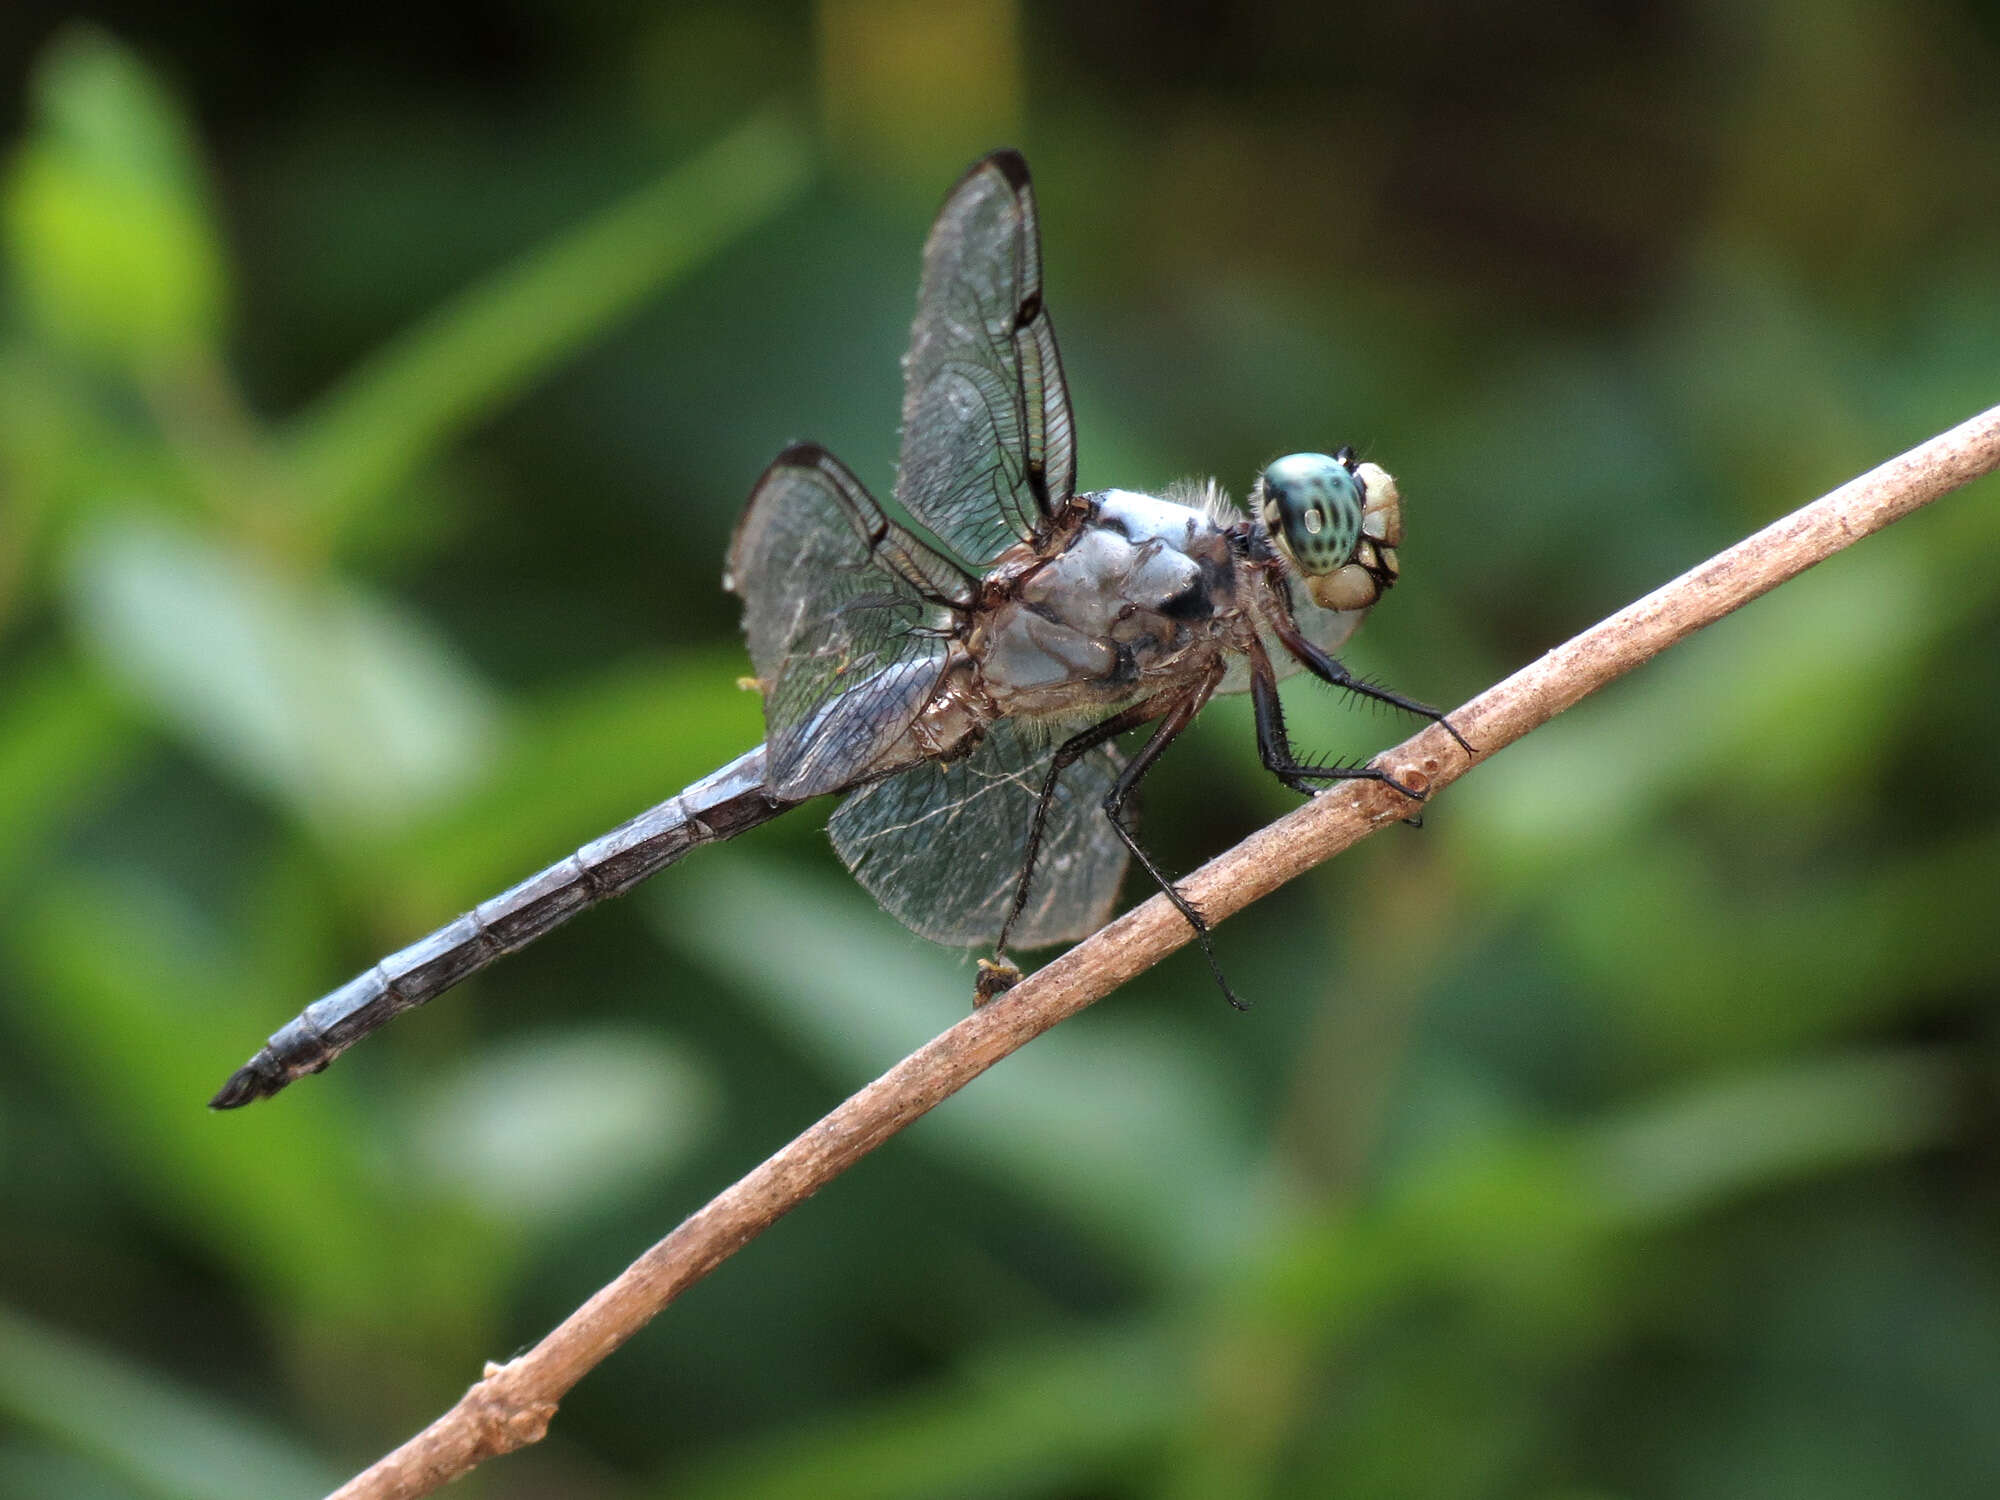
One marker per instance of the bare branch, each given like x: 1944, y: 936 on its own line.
x: 513, y: 1404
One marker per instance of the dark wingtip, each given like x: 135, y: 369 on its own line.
x: 249, y: 1083
x: 798, y: 456
x: 1009, y: 163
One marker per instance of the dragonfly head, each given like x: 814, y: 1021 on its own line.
x: 1337, y: 521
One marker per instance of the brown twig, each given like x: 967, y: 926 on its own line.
x: 511, y: 1406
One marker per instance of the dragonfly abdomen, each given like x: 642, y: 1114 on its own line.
x: 721, y: 805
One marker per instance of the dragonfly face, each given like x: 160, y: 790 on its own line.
x: 963, y: 687
x: 1336, y: 521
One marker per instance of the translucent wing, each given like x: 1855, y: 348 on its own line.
x: 844, y: 612
x: 940, y: 846
x: 989, y: 451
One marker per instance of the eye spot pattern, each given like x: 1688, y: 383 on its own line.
x: 1312, y: 510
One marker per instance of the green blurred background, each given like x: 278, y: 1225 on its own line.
x: 377, y: 391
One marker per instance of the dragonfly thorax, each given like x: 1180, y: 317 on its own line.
x: 1141, y: 593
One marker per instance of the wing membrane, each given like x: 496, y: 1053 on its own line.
x: 844, y: 611
x: 989, y: 450
x: 940, y: 846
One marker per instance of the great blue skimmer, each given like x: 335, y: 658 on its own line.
x: 965, y: 687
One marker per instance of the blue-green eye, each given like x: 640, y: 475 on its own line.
x: 1312, y: 509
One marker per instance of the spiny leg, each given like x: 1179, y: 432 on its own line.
x: 1177, y: 718
x: 1329, y: 669
x: 997, y: 974
x: 1275, y: 746
x: 1067, y: 754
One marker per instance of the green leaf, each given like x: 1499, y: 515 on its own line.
x: 1507, y: 1203
x: 49, y: 435
x: 62, y: 736
x: 1804, y: 670
x: 340, y: 704
x: 141, y: 1010
x: 104, y: 212
x: 492, y: 341
x: 548, y: 1127
x: 1026, y: 1421
x: 1726, y: 1138
x: 167, y: 1440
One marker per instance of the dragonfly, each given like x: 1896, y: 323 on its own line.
x: 964, y: 687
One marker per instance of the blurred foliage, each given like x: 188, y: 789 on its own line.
x: 373, y: 411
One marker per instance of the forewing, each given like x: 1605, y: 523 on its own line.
x: 940, y: 846
x: 989, y: 450
x: 846, y: 615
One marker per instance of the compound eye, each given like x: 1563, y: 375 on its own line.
x: 1312, y: 510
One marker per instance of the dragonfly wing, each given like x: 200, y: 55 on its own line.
x: 989, y: 450
x: 940, y: 846
x: 846, y: 615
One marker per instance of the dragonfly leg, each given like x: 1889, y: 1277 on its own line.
x: 1177, y: 718
x: 1067, y: 754
x: 1274, y: 745
x: 1329, y: 669
x: 1174, y: 717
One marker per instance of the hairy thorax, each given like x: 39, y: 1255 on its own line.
x: 1138, y: 600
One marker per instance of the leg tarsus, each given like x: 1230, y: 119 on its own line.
x: 1274, y: 745
x: 1293, y: 773
x: 1452, y: 730
x: 1188, y: 910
